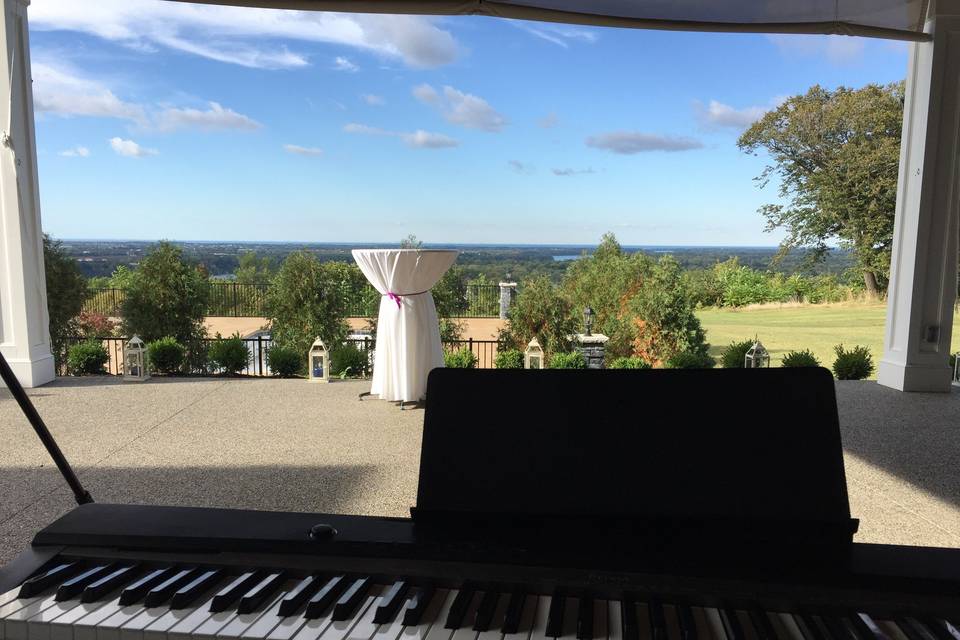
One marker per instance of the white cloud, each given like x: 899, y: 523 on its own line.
x: 373, y: 99
x: 237, y: 35
x: 75, y: 152
x: 523, y: 168
x: 130, y: 149
x: 302, y: 151
x: 835, y: 49
x: 363, y: 129
x: 62, y: 91
x: 343, y: 64
x: 631, y: 142
x: 559, y: 34
x: 464, y: 109
x: 419, y: 139
x: 216, y: 117
x: 572, y: 172
x: 548, y: 121
x: 717, y: 115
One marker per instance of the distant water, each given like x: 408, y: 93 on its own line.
x: 564, y: 258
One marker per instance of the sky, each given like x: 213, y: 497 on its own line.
x: 160, y: 119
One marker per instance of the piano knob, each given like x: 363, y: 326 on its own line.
x: 322, y: 531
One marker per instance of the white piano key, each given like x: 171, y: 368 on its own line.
x: 539, y: 630
x: 614, y: 621
x: 309, y: 629
x: 466, y: 632
x: 892, y: 630
x: 703, y: 627
x: 788, y: 626
x: 392, y: 630
x: 9, y: 595
x: 494, y: 632
x: 160, y: 628
x: 133, y: 628
x: 265, y: 624
x: 338, y: 630
x: 14, y: 626
x: 749, y: 632
x: 951, y: 629
x: 109, y: 628
x: 85, y: 627
x: 236, y: 627
x: 13, y: 606
x: 39, y: 625
x: 61, y: 628
x: 207, y: 630
x: 715, y: 623
x: 431, y: 624
x: 365, y: 626
x: 199, y: 614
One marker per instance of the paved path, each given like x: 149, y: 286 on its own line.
x: 290, y: 445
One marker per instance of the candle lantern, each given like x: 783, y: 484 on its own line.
x: 757, y: 356
x: 318, y: 362
x: 135, y: 366
x: 533, y: 356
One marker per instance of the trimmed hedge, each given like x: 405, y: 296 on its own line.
x: 166, y: 355
x: 228, y: 354
x: 734, y: 355
x: 348, y: 361
x: 509, y: 359
x: 568, y: 360
x: 629, y: 363
x: 690, y: 360
x: 855, y: 364
x: 460, y: 359
x: 285, y: 362
x: 803, y: 358
x: 87, y: 358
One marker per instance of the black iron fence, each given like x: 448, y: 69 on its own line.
x: 484, y: 350
x: 239, y: 300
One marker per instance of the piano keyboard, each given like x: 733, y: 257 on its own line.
x: 85, y: 600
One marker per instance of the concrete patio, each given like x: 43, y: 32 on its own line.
x: 288, y: 445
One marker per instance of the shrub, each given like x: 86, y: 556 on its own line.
x: 228, y: 354
x: 347, y: 360
x: 509, y: 359
x: 568, y: 360
x: 803, y: 358
x: 733, y: 356
x: 285, y: 362
x: 691, y: 360
x: 87, y: 358
x: 629, y: 363
x: 166, y: 355
x: 95, y: 325
x: 855, y: 364
x: 460, y: 359
x: 66, y: 291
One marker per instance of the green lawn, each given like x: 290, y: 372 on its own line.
x: 814, y: 327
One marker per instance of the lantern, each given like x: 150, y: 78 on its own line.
x: 318, y: 368
x: 757, y: 356
x: 587, y: 320
x: 533, y: 356
x: 135, y: 367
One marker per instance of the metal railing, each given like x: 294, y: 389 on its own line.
x: 239, y: 300
x: 484, y: 350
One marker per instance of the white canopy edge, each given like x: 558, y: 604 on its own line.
x: 888, y: 19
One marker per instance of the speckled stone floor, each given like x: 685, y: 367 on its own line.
x: 290, y: 445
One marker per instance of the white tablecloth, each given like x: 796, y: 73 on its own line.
x: 408, y: 330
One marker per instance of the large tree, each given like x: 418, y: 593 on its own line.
x: 836, y: 154
x: 66, y: 292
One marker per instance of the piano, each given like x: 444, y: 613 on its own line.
x: 598, y: 505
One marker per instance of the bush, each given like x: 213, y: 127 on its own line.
x: 347, y: 360
x: 734, y: 355
x: 509, y: 359
x: 803, y: 358
x: 87, y: 358
x: 691, y: 360
x: 568, y: 360
x: 95, y: 325
x: 228, y: 354
x: 629, y: 363
x: 166, y: 355
x: 66, y: 291
x: 855, y: 364
x: 285, y: 362
x: 460, y: 359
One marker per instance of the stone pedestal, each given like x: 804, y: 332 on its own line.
x: 592, y: 347
x: 507, y: 291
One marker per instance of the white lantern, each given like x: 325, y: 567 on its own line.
x: 533, y: 356
x: 757, y: 356
x: 135, y: 367
x: 318, y: 362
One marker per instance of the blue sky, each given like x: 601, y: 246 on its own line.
x: 165, y: 120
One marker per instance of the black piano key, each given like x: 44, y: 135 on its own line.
x: 952, y: 627
x: 938, y: 628
x: 908, y: 629
x: 555, y: 615
x: 390, y: 602
x: 107, y: 584
x: 731, y: 624
x: 162, y: 592
x: 191, y: 591
x: 630, y: 627
x: 686, y: 622
x: 351, y: 599
x: 862, y: 629
x: 299, y: 595
x: 322, y: 600
x: 837, y: 628
x: 585, y: 619
x: 809, y: 627
x: 511, y: 619
x: 136, y: 591
x: 488, y: 604
x: 232, y: 592
x: 48, y: 578
x: 259, y: 593
x: 417, y: 605
x: 458, y: 610
x: 72, y: 587
x: 762, y: 626
x: 658, y: 622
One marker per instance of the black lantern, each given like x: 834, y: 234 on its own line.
x: 587, y: 321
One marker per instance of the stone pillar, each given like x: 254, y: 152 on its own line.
x: 592, y: 347
x: 24, y: 323
x: 923, y: 270
x: 507, y: 291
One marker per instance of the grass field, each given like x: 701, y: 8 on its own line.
x: 814, y: 327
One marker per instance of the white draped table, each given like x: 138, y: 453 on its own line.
x: 408, y: 330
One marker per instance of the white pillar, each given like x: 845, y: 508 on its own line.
x: 24, y: 324
x: 923, y: 271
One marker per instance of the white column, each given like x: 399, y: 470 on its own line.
x: 24, y: 325
x: 923, y: 271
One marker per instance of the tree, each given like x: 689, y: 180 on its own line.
x: 837, y: 156
x: 450, y: 298
x: 307, y: 299
x: 254, y: 269
x: 540, y: 311
x: 167, y: 296
x: 66, y: 292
